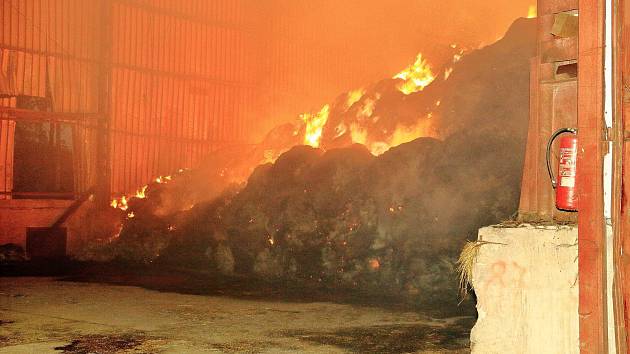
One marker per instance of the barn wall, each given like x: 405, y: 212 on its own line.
x: 175, y: 80
x: 180, y: 85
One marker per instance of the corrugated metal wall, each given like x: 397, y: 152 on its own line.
x: 178, y: 74
x: 47, y: 50
x: 175, y: 80
x: 180, y: 85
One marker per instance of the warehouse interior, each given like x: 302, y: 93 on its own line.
x: 278, y: 176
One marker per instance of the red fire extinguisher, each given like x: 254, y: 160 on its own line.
x: 566, y: 191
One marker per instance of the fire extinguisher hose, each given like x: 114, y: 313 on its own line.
x: 554, y: 183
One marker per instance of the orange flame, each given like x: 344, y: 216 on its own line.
x: 122, y: 205
x: 354, y: 96
x: 141, y: 193
x: 402, y: 134
x: 315, y: 125
x: 415, y: 77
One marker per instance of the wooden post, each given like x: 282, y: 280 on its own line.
x: 591, y: 149
x: 621, y: 214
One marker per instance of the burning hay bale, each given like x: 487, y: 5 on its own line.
x: 387, y: 221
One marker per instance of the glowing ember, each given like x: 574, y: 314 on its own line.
x: 447, y: 73
x: 416, y: 77
x: 532, y: 12
x: 163, y: 179
x: 457, y: 57
x: 314, y: 126
x: 374, y: 264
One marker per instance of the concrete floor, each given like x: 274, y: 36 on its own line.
x: 44, y: 315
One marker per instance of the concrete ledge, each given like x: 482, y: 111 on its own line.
x: 525, y: 279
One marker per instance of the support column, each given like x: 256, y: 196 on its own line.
x: 103, y: 163
x: 591, y: 149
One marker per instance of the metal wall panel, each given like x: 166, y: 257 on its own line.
x: 179, y: 85
x: 47, y: 50
x: 175, y: 79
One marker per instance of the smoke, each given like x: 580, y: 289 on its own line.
x: 343, y: 218
x: 369, y: 40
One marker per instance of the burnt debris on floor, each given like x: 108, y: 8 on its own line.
x: 410, y: 338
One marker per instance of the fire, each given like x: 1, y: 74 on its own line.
x: 141, y: 193
x: 374, y: 264
x: 447, y: 73
x: 368, y: 107
x: 415, y: 77
x: 123, y: 202
x: 532, y: 12
x: 315, y: 125
x: 358, y: 134
x: 405, y: 134
x: 354, y: 96
x: 122, y: 205
x: 402, y: 134
x: 163, y: 179
x: 269, y: 156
